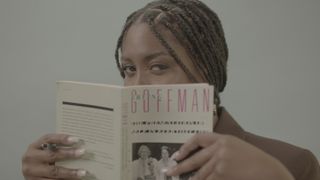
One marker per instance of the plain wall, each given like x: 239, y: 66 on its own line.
x: 273, y: 68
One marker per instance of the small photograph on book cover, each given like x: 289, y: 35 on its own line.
x: 151, y: 160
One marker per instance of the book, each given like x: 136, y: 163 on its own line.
x: 130, y: 133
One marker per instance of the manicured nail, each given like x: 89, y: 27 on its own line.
x: 81, y: 173
x: 164, y: 170
x: 79, y: 152
x: 72, y: 140
x: 175, y: 155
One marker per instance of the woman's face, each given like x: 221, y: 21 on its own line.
x: 146, y: 61
x: 144, y: 153
x: 164, y: 154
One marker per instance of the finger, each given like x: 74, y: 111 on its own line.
x: 33, y: 155
x: 196, y: 141
x: 213, y: 176
x: 207, y: 171
x: 59, y: 154
x: 53, y: 172
x: 59, y: 172
x: 52, y: 156
x: 61, y: 139
x: 41, y: 178
x: 194, y: 162
x: 63, y: 173
x: 37, y: 178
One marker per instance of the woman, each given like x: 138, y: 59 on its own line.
x: 144, y: 168
x: 182, y: 41
x: 164, y: 164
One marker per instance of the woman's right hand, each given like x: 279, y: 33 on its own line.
x: 39, y: 163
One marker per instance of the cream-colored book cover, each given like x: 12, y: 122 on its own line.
x: 131, y: 132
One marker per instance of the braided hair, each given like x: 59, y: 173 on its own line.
x: 196, y: 27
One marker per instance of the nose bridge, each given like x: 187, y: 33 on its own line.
x: 141, y: 77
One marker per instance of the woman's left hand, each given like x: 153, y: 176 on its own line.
x: 225, y: 157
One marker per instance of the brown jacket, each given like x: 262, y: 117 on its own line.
x: 302, y: 164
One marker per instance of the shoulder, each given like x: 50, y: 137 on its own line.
x: 153, y: 160
x: 300, y: 162
x: 135, y: 162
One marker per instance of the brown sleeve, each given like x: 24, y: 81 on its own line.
x: 311, y: 166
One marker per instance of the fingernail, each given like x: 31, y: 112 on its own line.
x: 164, y: 170
x: 72, y: 140
x: 81, y: 173
x: 170, y: 171
x: 79, y: 152
x: 175, y: 155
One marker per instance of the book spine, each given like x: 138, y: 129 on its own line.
x: 124, y: 136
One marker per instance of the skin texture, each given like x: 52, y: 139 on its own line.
x: 146, y: 61
x: 38, y: 164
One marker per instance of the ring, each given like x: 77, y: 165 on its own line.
x: 48, y: 146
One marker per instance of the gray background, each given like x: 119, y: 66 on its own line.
x: 273, y: 67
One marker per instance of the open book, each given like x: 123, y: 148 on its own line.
x: 130, y: 133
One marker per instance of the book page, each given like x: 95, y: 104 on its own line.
x: 160, y: 119
x: 92, y: 112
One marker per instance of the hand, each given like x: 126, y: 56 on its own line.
x: 39, y: 164
x: 224, y: 157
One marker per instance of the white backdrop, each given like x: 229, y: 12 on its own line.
x: 273, y: 67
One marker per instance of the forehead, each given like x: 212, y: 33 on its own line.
x: 164, y: 150
x: 144, y: 149
x: 140, y: 40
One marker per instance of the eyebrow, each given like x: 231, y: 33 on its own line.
x: 148, y: 57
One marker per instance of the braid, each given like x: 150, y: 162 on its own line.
x: 200, y: 47
x: 130, y: 20
x: 183, y: 41
x: 208, y: 45
x: 203, y: 47
x: 196, y: 27
x: 150, y: 21
x: 211, y: 67
x: 221, y: 49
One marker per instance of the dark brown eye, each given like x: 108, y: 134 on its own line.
x: 128, y: 69
x: 158, y: 67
